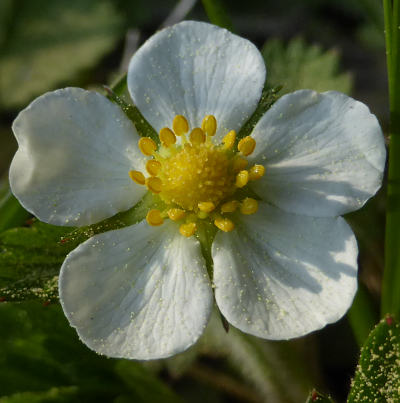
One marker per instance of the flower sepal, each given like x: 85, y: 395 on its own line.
x: 143, y: 127
x: 120, y: 220
x: 268, y: 97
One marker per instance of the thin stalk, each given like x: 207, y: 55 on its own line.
x: 387, y: 15
x: 391, y: 279
x: 362, y: 315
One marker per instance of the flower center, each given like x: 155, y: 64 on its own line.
x: 195, y: 174
x: 197, y: 179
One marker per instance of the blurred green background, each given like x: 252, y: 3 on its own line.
x: 318, y: 44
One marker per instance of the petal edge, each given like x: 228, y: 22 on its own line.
x: 140, y: 292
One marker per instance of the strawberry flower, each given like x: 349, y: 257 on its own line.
x: 282, y: 260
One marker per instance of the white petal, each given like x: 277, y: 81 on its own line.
x: 75, y: 152
x: 195, y: 69
x: 324, y: 153
x: 281, y: 275
x: 140, y: 292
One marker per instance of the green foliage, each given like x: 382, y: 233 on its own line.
x: 12, y: 213
x: 302, y: 66
x: 377, y: 377
x: 53, y: 395
x: 44, y: 43
x: 144, y: 387
x: 30, y: 259
x: 42, y: 360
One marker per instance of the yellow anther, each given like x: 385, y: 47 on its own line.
x: 239, y: 164
x: 209, y: 125
x: 176, y: 214
x: 242, y: 178
x: 229, y: 207
x: 147, y: 146
x: 167, y: 137
x: 153, y: 167
x: 206, y: 207
x: 229, y: 139
x: 197, y: 136
x: 188, y: 229
x: 180, y: 125
x: 154, y: 184
x: 224, y: 224
x: 249, y: 206
x: 154, y: 218
x: 247, y: 145
x: 256, y: 172
x: 137, y: 177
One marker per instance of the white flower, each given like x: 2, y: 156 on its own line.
x: 143, y: 291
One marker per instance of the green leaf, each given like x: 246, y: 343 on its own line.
x: 42, y: 360
x: 53, y: 395
x: 141, y: 383
x: 12, y: 214
x: 44, y: 43
x: 39, y: 350
x: 318, y: 398
x: 302, y: 66
x: 377, y: 376
x: 30, y: 260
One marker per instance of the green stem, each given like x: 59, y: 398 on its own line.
x: 362, y: 315
x: 391, y: 279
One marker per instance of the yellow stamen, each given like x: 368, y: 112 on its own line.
x: 206, y: 207
x: 147, y: 146
x: 180, y: 125
x: 153, y: 167
x: 154, y: 218
x: 188, y: 229
x: 239, y: 164
x: 224, y: 224
x: 249, y: 206
x: 167, y: 137
x: 256, y: 172
x: 229, y: 139
x: 242, y: 178
x: 197, y: 136
x: 137, y: 177
x: 247, y: 145
x: 176, y: 214
x: 154, y: 184
x: 196, y: 176
x: 209, y: 125
x: 196, y: 173
x: 229, y: 207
